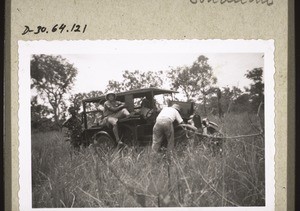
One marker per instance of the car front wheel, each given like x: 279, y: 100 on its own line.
x: 103, y: 143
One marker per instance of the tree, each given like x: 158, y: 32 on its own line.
x: 115, y: 86
x: 40, y: 119
x: 241, y: 104
x: 52, y: 77
x: 220, y: 110
x: 195, y: 81
x: 256, y: 89
x: 136, y: 80
x: 229, y: 97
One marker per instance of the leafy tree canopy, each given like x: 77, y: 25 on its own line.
x: 52, y: 76
x: 136, y: 80
x: 256, y: 89
x: 195, y: 81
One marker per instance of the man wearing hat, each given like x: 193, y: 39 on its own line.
x: 164, y: 126
x: 113, y: 111
x: 73, y: 124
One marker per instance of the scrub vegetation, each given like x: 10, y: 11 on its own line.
x: 194, y: 175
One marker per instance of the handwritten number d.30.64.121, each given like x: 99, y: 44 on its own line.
x: 57, y: 28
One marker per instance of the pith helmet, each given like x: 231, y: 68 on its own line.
x: 177, y: 107
x: 110, y: 93
x: 72, y: 109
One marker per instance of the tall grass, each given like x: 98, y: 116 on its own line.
x: 133, y: 177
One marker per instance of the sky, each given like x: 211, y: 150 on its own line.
x: 95, y: 70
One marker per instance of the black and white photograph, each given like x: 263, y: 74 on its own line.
x: 146, y: 124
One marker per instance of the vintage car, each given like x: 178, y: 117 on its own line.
x: 135, y: 130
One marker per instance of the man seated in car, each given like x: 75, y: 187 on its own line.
x: 148, y: 110
x: 113, y: 111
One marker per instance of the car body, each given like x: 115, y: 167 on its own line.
x: 135, y: 130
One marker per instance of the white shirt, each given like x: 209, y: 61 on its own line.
x: 170, y: 113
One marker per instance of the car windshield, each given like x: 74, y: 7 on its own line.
x: 94, y: 112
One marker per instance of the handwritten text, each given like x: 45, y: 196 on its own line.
x: 56, y: 28
x: 266, y: 2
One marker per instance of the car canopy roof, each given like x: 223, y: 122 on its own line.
x: 136, y: 93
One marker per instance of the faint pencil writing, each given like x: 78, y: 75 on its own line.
x: 265, y: 2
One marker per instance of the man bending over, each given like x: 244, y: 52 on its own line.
x: 163, y: 127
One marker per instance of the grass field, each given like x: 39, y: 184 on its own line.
x: 194, y: 176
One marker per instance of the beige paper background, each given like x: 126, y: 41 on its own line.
x: 149, y: 19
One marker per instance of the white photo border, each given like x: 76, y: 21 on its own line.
x: 27, y: 48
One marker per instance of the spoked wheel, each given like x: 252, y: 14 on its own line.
x: 103, y: 143
x: 184, y: 133
x: 190, y: 131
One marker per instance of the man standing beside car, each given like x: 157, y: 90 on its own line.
x: 113, y: 111
x: 163, y: 127
x: 74, y: 126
